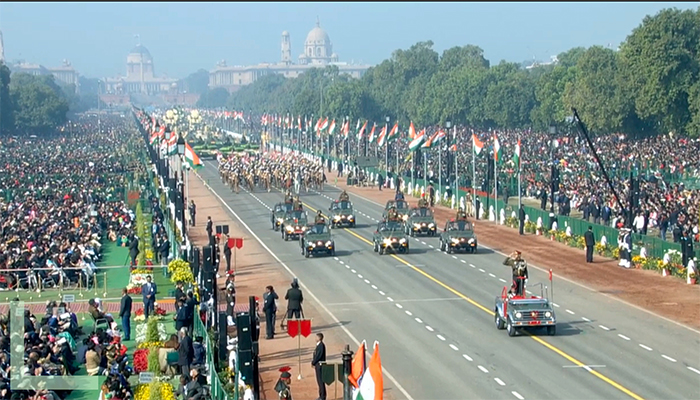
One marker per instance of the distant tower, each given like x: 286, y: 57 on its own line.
x: 286, y: 48
x: 2, y: 49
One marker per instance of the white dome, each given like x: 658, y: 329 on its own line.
x: 317, y: 36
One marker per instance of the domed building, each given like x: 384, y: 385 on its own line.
x: 317, y: 53
x: 140, y: 76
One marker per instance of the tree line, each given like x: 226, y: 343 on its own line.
x: 648, y: 86
x: 31, y: 104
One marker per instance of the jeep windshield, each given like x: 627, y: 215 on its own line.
x: 421, y: 213
x: 296, y: 215
x: 460, y: 226
x: 285, y: 207
x: 529, y: 305
x: 342, y: 206
x: 390, y: 226
x: 318, y: 229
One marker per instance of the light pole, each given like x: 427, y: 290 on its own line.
x: 554, y: 171
x: 386, y: 146
x: 181, y: 153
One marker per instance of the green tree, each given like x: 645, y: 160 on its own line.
x: 39, y: 104
x: 7, y: 123
x: 215, y: 98
x: 196, y: 82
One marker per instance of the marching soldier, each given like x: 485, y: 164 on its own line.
x: 461, y: 215
x: 319, y: 218
x: 344, y: 196
x: 520, y: 274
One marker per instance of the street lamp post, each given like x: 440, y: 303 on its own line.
x: 554, y: 171
x: 181, y: 153
x: 386, y: 147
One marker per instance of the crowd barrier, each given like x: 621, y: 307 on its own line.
x: 218, y: 392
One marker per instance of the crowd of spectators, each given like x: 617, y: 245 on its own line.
x: 661, y: 162
x: 61, y: 197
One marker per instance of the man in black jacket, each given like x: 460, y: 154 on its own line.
x: 270, y: 309
x: 294, y: 299
x: 227, y: 254
x: 210, y: 228
x: 133, y: 249
x: 185, y: 352
x: 125, y: 314
x: 590, y: 244
x: 181, y: 315
x: 319, y: 359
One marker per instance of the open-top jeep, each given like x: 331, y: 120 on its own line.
x: 342, y: 214
x: 278, y: 213
x: 401, y: 207
x: 515, y: 313
x: 317, y: 240
x: 390, y: 236
x: 294, y: 224
x: 458, y: 235
x: 421, y: 221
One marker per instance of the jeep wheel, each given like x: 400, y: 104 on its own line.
x: 376, y: 248
x: 450, y: 249
x: 442, y: 245
x: 511, y: 330
x: 353, y: 224
x: 552, y: 330
x: 497, y: 319
x: 406, y: 251
x: 306, y: 252
x: 285, y: 236
x: 412, y: 233
x: 332, y: 253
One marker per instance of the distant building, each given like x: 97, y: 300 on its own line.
x: 554, y: 60
x: 64, y: 74
x: 318, y: 53
x: 141, y: 85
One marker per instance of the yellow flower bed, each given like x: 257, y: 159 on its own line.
x: 180, y: 271
x: 148, y: 345
x: 141, y: 271
x: 154, y: 390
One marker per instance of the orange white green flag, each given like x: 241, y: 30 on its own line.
x: 191, y: 157
x: 359, y: 364
x: 372, y: 381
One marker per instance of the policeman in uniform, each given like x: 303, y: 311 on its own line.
x: 520, y: 274
x: 344, y: 196
x: 461, y: 215
x: 319, y: 218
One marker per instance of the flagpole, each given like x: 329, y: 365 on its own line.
x: 386, y: 151
x: 440, y: 171
x: 520, y: 197
x: 476, y: 212
x: 495, y: 183
x: 456, y: 189
x: 425, y: 168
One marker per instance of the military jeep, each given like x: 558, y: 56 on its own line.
x: 458, y: 235
x: 294, y: 224
x: 278, y: 213
x: 421, y: 222
x: 341, y: 214
x: 401, y: 207
x: 317, y: 240
x: 390, y: 236
x: 516, y: 313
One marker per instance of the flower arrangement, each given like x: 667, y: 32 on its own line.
x: 530, y: 227
x: 180, y: 271
x: 141, y: 331
x: 141, y: 359
x: 141, y: 271
x: 153, y: 362
x: 155, y: 390
x: 149, y: 254
x: 148, y: 345
x: 133, y: 290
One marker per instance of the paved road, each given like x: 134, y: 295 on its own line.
x: 438, y: 306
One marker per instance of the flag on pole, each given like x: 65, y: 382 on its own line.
x: 439, y: 135
x: 393, y: 133
x: 496, y: 148
x: 372, y: 381
x: 332, y: 128
x: 359, y: 365
x: 412, y: 131
x: 324, y: 124
x: 382, y: 137
x: 418, y: 139
x: 477, y: 144
x: 172, y: 144
x: 371, y: 134
x: 362, y: 130
x: 192, y: 158
x: 516, y: 156
x: 345, y: 130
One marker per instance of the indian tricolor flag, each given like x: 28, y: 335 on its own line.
x: 359, y: 365
x: 382, y: 137
x: 412, y: 131
x: 477, y: 144
x: 418, y: 139
x: 496, y: 148
x: 516, y: 156
x: 191, y: 157
x: 372, y: 381
x: 393, y: 133
x: 332, y: 128
x: 371, y: 134
x: 362, y: 130
x: 345, y: 129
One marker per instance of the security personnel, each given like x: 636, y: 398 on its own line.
x: 392, y: 215
x: 297, y: 203
x: 422, y: 203
x: 461, y: 215
x: 282, y: 386
x: 398, y: 196
x: 319, y: 218
x: 288, y: 197
x: 520, y: 274
x: 344, y: 196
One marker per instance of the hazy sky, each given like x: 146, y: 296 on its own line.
x: 183, y: 37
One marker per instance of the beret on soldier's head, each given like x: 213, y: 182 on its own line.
x: 285, y: 375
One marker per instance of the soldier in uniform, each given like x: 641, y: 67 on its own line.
x: 398, y: 196
x: 319, y: 218
x: 422, y: 203
x: 344, y: 196
x: 282, y: 386
x: 461, y: 215
x: 297, y: 203
x: 392, y: 215
x: 288, y: 197
x: 520, y: 274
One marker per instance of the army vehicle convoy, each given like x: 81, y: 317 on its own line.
x: 390, y: 236
x: 400, y: 206
x: 341, y: 214
x: 317, y: 240
x: 458, y: 236
x: 421, y: 222
x: 278, y: 213
x: 516, y: 313
x: 294, y: 224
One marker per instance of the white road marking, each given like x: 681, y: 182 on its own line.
x: 645, y: 347
x: 335, y: 258
x: 429, y: 328
x: 390, y: 299
x: 585, y: 319
x: 467, y: 357
x: 570, y: 312
x: 668, y: 358
x: 431, y: 246
x: 423, y: 242
x: 453, y: 347
x: 555, y: 305
x: 409, y: 313
x: 347, y: 266
x: 374, y: 287
x: 398, y: 305
x: 481, y: 270
x: 463, y: 262
x: 366, y: 281
x: 419, y: 320
x: 382, y: 293
x: 604, y: 327
x: 483, y: 369
x: 500, y: 382
x: 472, y: 265
x: 492, y: 275
x: 694, y: 370
x: 455, y: 257
x: 360, y: 276
x: 353, y: 271
x: 517, y: 395
x: 441, y: 337
x: 502, y: 280
x: 623, y: 336
x: 341, y: 263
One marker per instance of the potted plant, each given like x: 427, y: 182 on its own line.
x: 693, y: 278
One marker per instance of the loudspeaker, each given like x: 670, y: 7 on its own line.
x: 219, y: 229
x: 225, y: 230
x: 243, y: 327
x: 223, y: 336
x: 255, y: 323
x: 196, y: 259
x: 245, y: 365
